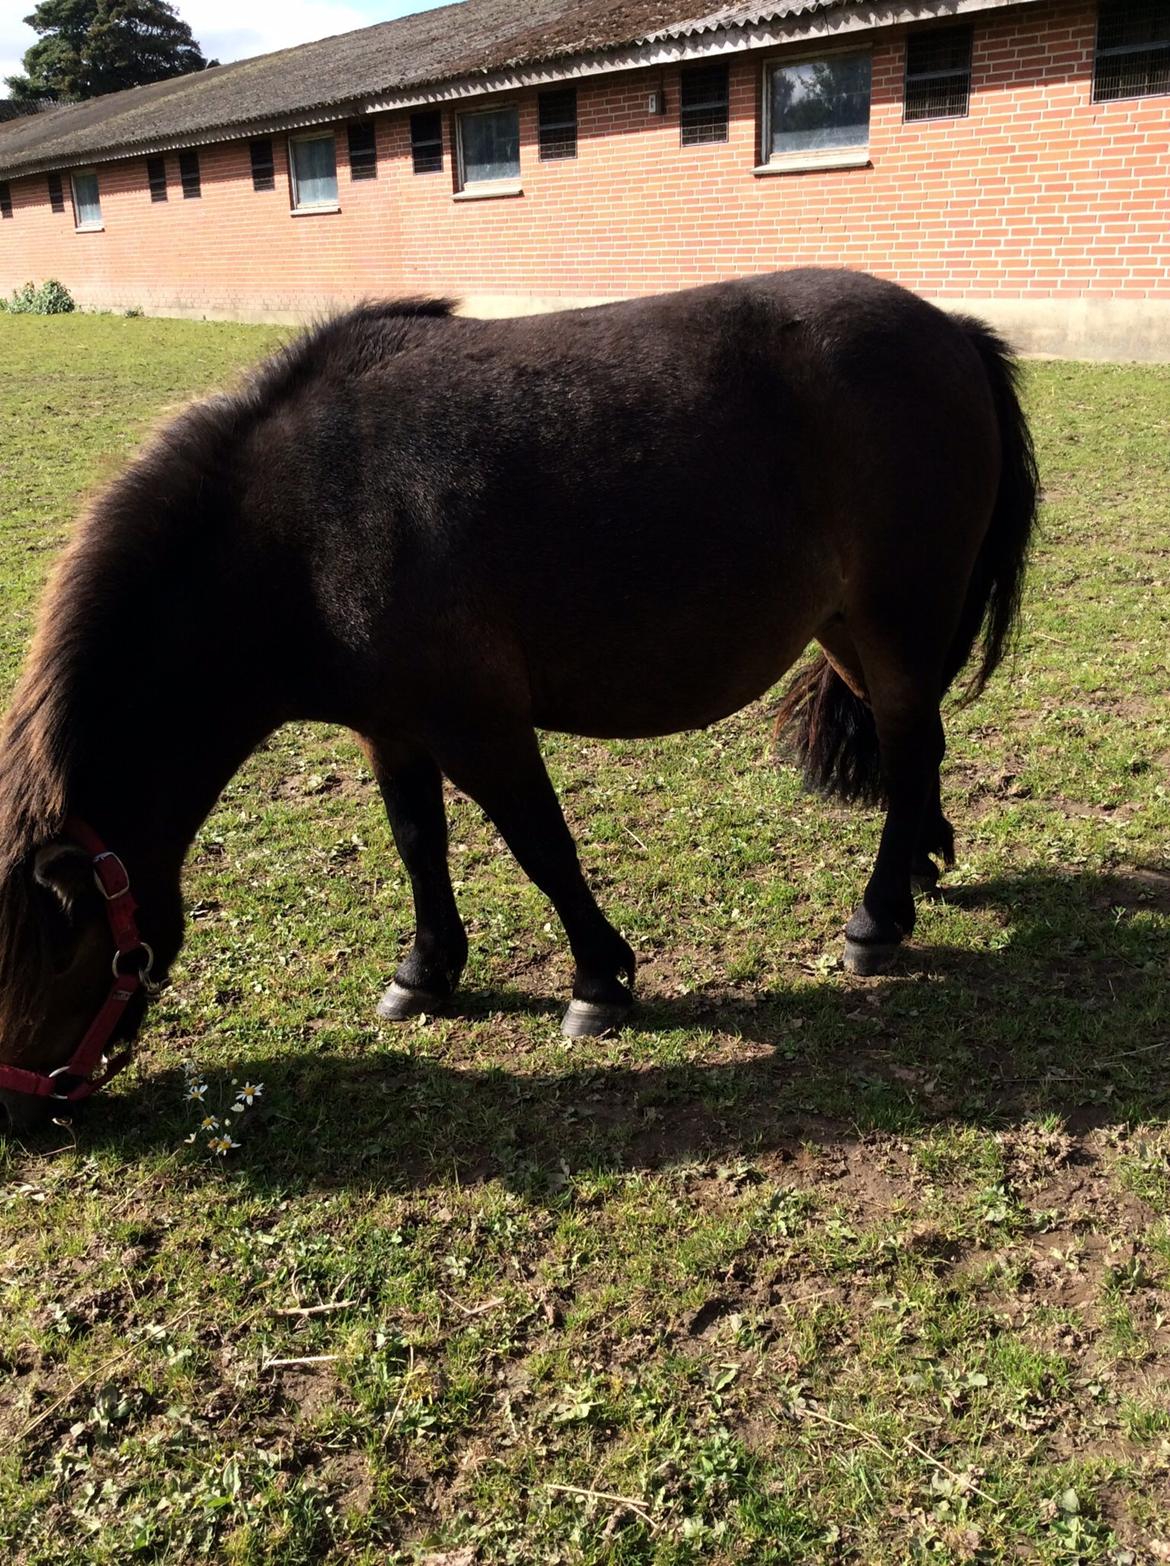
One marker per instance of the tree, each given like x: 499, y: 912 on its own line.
x: 89, y: 47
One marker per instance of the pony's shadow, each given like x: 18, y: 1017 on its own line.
x: 1071, y: 1016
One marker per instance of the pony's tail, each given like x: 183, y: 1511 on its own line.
x: 831, y: 730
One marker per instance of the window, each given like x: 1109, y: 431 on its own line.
x: 189, y: 175
x: 426, y: 142
x: 5, y: 199
x: 87, y: 205
x: 314, y: 172
x: 56, y: 194
x: 703, y: 104
x: 1133, y: 49
x: 263, y: 164
x: 363, y: 151
x: 156, y: 178
x: 558, y: 125
x: 938, y: 73
x: 818, y: 105
x: 489, y: 146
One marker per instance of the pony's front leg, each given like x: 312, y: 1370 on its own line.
x: 412, y: 790
x: 504, y: 772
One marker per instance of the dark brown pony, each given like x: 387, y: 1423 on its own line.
x: 446, y: 533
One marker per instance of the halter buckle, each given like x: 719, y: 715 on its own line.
x: 108, y: 857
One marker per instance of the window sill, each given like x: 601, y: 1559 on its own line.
x: 807, y: 162
x: 313, y: 211
x: 89, y: 228
x: 490, y: 190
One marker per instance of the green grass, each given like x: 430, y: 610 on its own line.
x: 799, y: 1268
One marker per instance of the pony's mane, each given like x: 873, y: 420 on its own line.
x: 346, y: 345
x: 142, y: 521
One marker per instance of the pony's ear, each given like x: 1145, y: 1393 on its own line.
x: 64, y: 870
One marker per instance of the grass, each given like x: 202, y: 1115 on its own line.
x: 800, y: 1268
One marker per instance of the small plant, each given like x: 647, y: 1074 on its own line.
x: 51, y: 298
x: 217, y: 1128
x: 134, y: 313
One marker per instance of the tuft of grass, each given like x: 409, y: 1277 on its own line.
x: 798, y: 1268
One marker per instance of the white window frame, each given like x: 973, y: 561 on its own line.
x: 856, y: 157
x: 480, y: 189
x: 78, y: 226
x: 311, y: 206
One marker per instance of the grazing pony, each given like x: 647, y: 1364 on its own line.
x: 446, y: 533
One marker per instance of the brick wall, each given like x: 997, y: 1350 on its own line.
x: 1037, y: 198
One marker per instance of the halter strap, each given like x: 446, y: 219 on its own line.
x: 132, y: 964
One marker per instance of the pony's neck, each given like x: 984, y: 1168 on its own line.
x: 144, y: 691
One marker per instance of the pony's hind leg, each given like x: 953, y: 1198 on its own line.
x: 412, y: 790
x: 905, y: 686
x: 503, y: 771
x: 936, y: 837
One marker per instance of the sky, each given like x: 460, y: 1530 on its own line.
x: 229, y: 29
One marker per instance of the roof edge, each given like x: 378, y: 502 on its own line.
x: 704, y: 38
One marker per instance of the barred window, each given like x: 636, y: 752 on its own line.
x: 189, y: 175
x: 5, y: 199
x: 56, y: 193
x: 1133, y: 49
x: 558, y: 125
x: 703, y: 112
x: 263, y: 164
x: 156, y: 178
x: 426, y: 142
x: 363, y: 151
x: 938, y: 73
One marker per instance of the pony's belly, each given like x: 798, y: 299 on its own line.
x: 659, y: 699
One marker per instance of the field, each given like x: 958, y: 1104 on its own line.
x: 798, y: 1268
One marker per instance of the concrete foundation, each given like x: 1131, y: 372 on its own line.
x: 1074, y: 327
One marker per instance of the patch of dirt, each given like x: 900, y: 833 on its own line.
x: 309, y: 1389
x: 709, y: 1316
x: 348, y: 1476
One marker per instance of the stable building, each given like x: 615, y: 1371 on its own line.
x: 1013, y: 159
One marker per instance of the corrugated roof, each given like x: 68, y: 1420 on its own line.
x: 741, y: 16
x: 453, y: 43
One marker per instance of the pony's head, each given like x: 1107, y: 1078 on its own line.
x: 57, y: 952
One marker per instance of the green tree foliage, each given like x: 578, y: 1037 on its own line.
x: 90, y: 47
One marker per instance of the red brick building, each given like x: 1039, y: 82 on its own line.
x: 1012, y: 157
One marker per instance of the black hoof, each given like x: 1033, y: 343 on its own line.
x: 867, y: 958
x: 400, y: 1004
x: 593, y: 1019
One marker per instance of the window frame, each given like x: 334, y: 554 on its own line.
x: 554, y: 150
x: 263, y: 171
x: 824, y: 157
x: 78, y: 226
x: 419, y: 143
x: 159, y: 188
x: 366, y: 164
x: 508, y: 185
x: 1113, y: 52
x: 693, y: 69
x: 191, y: 186
x: 921, y: 76
x: 299, y: 207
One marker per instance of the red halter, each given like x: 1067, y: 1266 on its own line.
x: 89, y: 1063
